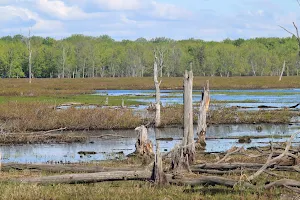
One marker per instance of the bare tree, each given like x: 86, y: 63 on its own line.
x: 28, y: 44
x: 161, y: 51
x: 296, y: 35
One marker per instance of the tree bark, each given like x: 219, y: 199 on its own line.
x: 204, y: 106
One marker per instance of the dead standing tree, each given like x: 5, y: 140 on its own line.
x: 297, y: 36
x: 157, y: 120
x: 184, y: 155
x: 204, y: 105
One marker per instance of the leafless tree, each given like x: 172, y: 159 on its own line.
x: 28, y: 44
x: 296, y: 35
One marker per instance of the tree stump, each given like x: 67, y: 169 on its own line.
x: 158, y: 175
x: 202, y: 126
x: 143, y: 145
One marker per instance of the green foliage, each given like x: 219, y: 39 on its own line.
x: 86, y: 56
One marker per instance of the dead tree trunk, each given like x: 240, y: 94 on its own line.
x: 184, y: 154
x: 204, y: 105
x: 188, y: 135
x: 143, y: 146
x: 157, y: 94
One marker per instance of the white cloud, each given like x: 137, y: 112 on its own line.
x: 48, y: 26
x: 60, y: 10
x: 12, y: 12
x: 120, y: 4
x: 169, y: 11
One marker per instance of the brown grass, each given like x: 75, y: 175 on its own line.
x: 55, y: 87
x: 22, y: 117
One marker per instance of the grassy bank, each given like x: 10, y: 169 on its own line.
x: 58, y: 87
x: 145, y: 189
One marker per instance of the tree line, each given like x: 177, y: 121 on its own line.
x: 80, y: 56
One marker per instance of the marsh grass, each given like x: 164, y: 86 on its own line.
x: 26, y: 117
x: 58, y: 87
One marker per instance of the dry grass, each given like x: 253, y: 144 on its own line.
x: 24, y: 117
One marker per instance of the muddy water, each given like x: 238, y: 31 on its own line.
x: 118, y: 144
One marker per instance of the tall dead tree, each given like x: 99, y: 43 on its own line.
x: 157, y: 93
x: 204, y: 105
x: 188, y: 133
x: 28, y: 44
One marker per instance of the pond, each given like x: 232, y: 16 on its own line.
x: 118, y: 144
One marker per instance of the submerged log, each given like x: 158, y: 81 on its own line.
x: 143, y: 145
x: 204, y: 105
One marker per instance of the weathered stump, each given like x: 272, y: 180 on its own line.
x: 202, y: 126
x: 158, y: 175
x: 143, y: 145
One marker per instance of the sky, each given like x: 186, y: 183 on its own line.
x: 131, y: 19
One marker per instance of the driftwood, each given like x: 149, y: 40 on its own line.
x: 143, y: 145
x: 89, y: 177
x: 204, y: 105
x: 271, y: 160
x: 283, y: 182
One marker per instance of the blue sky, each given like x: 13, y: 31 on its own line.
x: 131, y: 19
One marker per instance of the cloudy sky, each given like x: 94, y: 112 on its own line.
x: 131, y: 19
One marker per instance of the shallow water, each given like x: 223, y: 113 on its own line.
x: 115, y: 147
x: 246, y: 98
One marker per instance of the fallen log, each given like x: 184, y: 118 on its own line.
x: 58, y: 168
x: 89, y: 177
x: 283, y: 183
x: 209, y: 180
x: 245, y: 166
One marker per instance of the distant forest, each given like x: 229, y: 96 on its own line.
x: 82, y: 56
